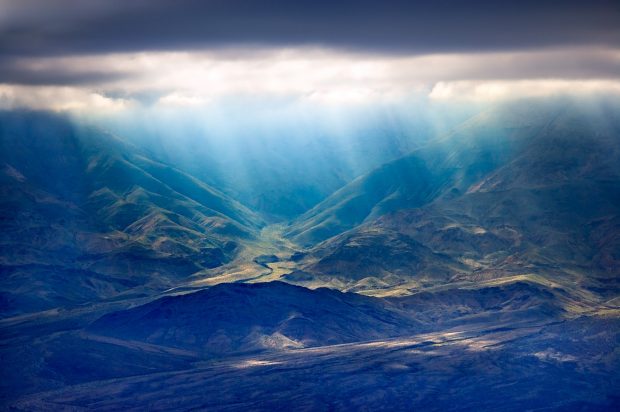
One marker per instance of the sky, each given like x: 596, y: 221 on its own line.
x: 119, y: 55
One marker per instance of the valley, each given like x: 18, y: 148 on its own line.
x: 476, y: 268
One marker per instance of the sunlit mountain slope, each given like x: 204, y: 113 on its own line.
x: 540, y: 194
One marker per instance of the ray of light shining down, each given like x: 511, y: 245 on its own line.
x: 346, y: 205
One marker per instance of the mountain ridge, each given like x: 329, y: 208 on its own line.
x: 91, y: 203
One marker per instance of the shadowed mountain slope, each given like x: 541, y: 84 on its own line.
x: 570, y: 365
x: 244, y: 317
x: 85, y: 215
x: 265, y: 336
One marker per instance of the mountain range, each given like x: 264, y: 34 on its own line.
x: 86, y: 216
x: 532, y: 196
x: 486, y: 256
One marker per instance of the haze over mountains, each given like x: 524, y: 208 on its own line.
x: 513, y: 190
x: 283, y: 164
x: 87, y: 216
x: 496, y: 240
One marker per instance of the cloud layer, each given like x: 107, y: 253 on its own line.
x: 178, y: 79
x: 113, y: 54
x: 53, y: 27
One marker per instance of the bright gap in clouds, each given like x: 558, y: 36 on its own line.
x: 314, y: 76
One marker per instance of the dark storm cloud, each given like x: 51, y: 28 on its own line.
x: 57, y: 27
x: 13, y: 71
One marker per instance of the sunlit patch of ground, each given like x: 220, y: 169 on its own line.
x: 278, y: 269
x: 255, y: 362
x: 555, y: 356
x: 241, y: 272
